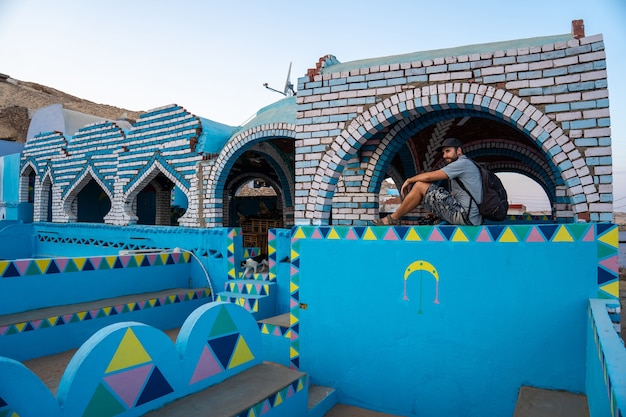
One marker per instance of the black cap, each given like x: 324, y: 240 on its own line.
x: 454, y: 142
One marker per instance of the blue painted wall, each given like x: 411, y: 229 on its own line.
x: 429, y: 321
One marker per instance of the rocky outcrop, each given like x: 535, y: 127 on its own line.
x: 19, y: 100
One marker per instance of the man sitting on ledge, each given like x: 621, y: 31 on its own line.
x: 453, y: 207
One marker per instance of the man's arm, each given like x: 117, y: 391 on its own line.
x: 430, y: 176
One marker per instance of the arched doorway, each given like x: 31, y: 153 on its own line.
x: 92, y: 203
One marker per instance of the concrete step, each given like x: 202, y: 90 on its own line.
x: 260, y: 306
x: 158, y: 298
x: 249, y: 286
x: 342, y: 410
x: 321, y: 400
x: 41, y: 332
x: 234, y: 395
x: 259, y: 276
x: 536, y: 402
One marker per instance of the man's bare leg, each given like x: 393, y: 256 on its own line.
x: 411, y: 200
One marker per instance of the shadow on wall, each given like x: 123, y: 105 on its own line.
x: 130, y: 368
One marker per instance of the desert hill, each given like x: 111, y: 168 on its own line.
x: 20, y: 99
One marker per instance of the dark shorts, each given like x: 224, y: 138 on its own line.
x: 442, y: 203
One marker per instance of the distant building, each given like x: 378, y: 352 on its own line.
x: 516, y: 209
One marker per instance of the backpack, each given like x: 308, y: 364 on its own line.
x: 494, y: 204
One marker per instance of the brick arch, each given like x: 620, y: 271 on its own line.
x: 156, y: 167
x: 411, y: 104
x: 70, y: 194
x: 220, y: 168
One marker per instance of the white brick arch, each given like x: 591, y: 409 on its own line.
x: 411, y: 104
x: 217, y: 175
x: 69, y: 211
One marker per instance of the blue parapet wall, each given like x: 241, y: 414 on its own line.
x: 606, y: 363
x: 426, y: 320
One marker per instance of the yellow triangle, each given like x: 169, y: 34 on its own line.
x: 3, y: 266
x: 242, y: 353
x: 563, y: 235
x: 294, y: 254
x: 164, y: 258
x: 292, y: 353
x: 231, y: 248
x: 111, y: 260
x: 251, y: 413
x: 248, y: 288
x: 278, y: 400
x: 293, y: 287
x: 611, y: 288
x: 130, y: 352
x: 107, y: 310
x: 139, y: 259
x: 299, y: 234
x: 81, y: 315
x: 186, y: 256
x: 270, y: 249
x: 300, y: 385
x: 508, y: 236
x: 20, y: 326
x: 412, y: 235
x: 459, y: 236
x: 611, y: 237
x: 131, y: 306
x: 293, y: 320
x: 43, y: 264
x: 80, y: 262
x: 53, y: 320
x: 333, y: 234
x: 264, y: 329
x: 369, y: 235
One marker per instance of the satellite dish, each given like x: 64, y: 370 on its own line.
x: 288, y: 91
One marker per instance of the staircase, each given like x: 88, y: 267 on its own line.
x: 254, y: 292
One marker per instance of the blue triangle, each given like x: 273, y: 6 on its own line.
x: 605, y: 276
x: 11, y: 271
x: 223, y: 347
x: 53, y: 268
x: 156, y: 387
x: 548, y: 230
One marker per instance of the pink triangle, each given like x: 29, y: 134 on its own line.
x: 152, y: 257
x: 36, y: 323
x: 239, y: 287
x: 128, y: 384
x: 270, y: 235
x: 290, y: 391
x: 3, y: 330
x: 272, y: 263
x: 316, y: 234
x: 610, y: 263
x: 351, y: 235
x: 96, y: 261
x: 175, y: 256
x: 141, y: 304
x: 124, y: 259
x: 266, y: 407
x: 61, y: 263
x: 207, y: 366
x: 483, y: 236
x: 292, y: 303
x: 390, y: 235
x: 22, y: 265
x: 535, y: 236
x: 67, y: 318
x: 294, y: 270
x: 435, y: 236
x: 590, y: 235
x: 94, y: 313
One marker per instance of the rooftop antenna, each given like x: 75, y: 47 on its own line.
x: 288, y: 91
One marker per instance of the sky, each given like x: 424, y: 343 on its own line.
x: 212, y: 58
